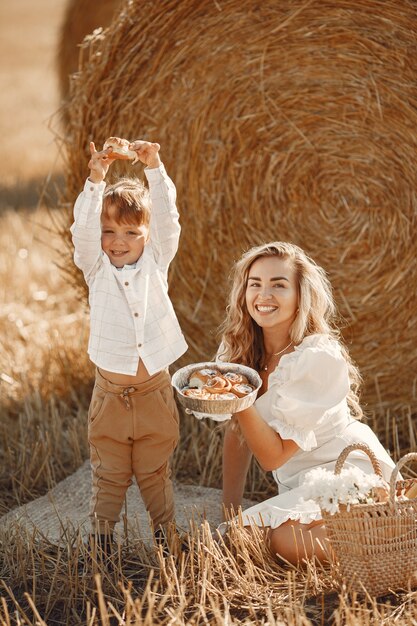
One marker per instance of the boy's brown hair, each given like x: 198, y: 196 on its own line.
x: 130, y: 200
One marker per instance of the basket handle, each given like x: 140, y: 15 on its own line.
x: 358, y: 446
x: 412, y: 456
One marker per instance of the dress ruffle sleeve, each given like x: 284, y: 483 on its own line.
x: 318, y: 381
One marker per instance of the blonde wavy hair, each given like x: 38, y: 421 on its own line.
x: 241, y: 337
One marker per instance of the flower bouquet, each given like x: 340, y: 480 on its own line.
x: 337, y: 492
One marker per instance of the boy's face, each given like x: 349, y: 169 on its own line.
x: 122, y: 242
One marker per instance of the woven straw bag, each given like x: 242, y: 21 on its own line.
x: 376, y: 544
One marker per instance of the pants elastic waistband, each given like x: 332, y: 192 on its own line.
x: 157, y: 381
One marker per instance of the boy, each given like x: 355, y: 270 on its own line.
x: 125, y: 237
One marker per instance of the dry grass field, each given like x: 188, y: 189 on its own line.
x: 45, y: 381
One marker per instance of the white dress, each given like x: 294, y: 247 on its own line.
x: 306, y: 402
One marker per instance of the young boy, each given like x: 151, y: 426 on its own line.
x: 125, y: 238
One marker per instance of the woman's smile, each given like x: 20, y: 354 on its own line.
x: 266, y: 308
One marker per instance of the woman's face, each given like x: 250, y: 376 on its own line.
x: 272, y: 292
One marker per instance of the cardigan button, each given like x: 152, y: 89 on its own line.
x: 139, y: 345
x: 127, y: 284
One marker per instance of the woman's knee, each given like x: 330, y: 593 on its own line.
x: 295, y: 542
x: 285, y: 543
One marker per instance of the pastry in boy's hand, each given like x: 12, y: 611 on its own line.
x: 120, y: 149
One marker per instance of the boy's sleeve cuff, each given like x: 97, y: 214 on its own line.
x: 155, y: 173
x: 92, y: 189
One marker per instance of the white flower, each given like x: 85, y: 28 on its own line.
x: 351, y: 486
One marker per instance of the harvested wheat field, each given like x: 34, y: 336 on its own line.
x: 233, y: 187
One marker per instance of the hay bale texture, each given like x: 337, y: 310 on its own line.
x: 81, y: 18
x: 292, y: 120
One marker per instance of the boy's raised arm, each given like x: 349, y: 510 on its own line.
x: 86, y: 228
x: 164, y: 227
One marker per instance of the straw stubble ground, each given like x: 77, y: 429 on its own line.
x: 46, y: 378
x: 45, y: 384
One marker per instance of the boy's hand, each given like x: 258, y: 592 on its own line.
x: 147, y: 152
x: 99, y: 163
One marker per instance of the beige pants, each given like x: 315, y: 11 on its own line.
x: 132, y: 431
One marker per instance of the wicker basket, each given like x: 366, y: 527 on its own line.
x: 376, y: 544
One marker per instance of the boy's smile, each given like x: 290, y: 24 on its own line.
x: 123, y: 243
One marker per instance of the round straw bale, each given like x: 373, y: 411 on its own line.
x: 80, y: 19
x: 292, y: 120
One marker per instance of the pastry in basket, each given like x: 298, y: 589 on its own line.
x: 200, y: 377
x: 228, y: 395
x: 193, y: 392
x: 241, y: 390
x: 218, y: 384
x: 235, y: 378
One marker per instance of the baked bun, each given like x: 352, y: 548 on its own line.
x: 120, y: 149
x: 242, y: 389
x: 228, y: 395
x: 200, y: 394
x: 235, y: 378
x: 218, y: 384
x: 200, y: 377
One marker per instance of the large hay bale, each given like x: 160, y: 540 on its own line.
x: 81, y: 18
x: 288, y: 120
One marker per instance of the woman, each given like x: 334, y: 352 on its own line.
x: 280, y: 321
